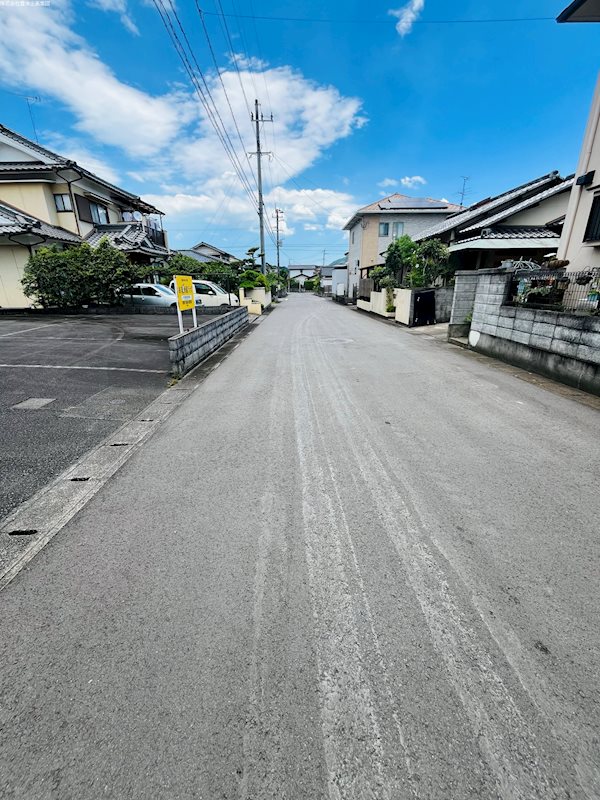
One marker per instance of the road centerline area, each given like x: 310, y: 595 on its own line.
x: 351, y: 592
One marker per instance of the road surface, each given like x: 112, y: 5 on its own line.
x: 356, y: 563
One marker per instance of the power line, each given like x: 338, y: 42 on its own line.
x: 214, y: 58
x: 225, y: 29
x: 372, y: 21
x: 204, y: 95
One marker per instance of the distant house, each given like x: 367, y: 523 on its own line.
x: 522, y: 222
x: 207, y: 252
x: 339, y: 276
x: 580, y: 240
x: 326, y: 274
x: 49, y: 199
x: 372, y: 228
x: 302, y: 272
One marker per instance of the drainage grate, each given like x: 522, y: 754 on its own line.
x: 24, y: 532
x: 146, y: 420
x: 119, y: 444
x: 80, y: 479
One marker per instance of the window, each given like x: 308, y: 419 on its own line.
x: 203, y: 288
x: 150, y: 291
x: 352, y: 237
x: 592, y: 232
x: 136, y: 290
x: 397, y: 229
x: 384, y: 228
x: 63, y: 202
x: 99, y: 214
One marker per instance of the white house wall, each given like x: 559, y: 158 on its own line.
x: 549, y: 209
x: 572, y: 247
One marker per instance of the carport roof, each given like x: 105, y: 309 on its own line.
x: 13, y: 221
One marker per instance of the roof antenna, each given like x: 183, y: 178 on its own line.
x: 463, y: 192
x: 29, y: 100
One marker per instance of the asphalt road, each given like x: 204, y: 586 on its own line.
x: 80, y: 379
x: 356, y: 563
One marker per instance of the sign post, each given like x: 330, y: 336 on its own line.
x: 186, y: 301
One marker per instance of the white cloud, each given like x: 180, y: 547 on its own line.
x: 172, y: 146
x: 73, y: 149
x: 247, y: 62
x: 310, y: 226
x: 407, y: 15
x: 387, y: 182
x: 119, y: 7
x: 410, y: 182
x: 39, y: 51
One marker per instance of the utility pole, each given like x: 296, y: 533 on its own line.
x: 257, y: 119
x: 278, y: 215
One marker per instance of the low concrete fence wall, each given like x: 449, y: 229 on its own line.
x: 190, y: 348
x: 562, y: 346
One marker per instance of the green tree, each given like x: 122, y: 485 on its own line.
x: 400, y: 257
x: 79, y: 275
x: 180, y: 264
x: 109, y: 271
x: 251, y: 279
x: 432, y: 261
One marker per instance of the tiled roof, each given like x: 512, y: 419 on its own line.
x: 513, y: 232
x: 14, y: 221
x: 197, y: 256
x: 340, y: 263
x: 485, y: 208
x: 129, y: 237
x: 563, y: 186
x: 29, y: 166
x: 53, y: 160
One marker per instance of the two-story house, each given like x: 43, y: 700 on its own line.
x: 47, y: 199
x: 372, y: 228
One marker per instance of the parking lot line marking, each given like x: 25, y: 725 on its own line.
x: 33, y: 403
x: 73, y: 366
x: 37, y: 328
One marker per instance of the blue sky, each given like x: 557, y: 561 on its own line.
x: 361, y: 108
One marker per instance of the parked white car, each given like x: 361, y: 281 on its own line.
x: 211, y: 294
x: 151, y: 294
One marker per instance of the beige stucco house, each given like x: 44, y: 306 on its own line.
x: 48, y: 199
x: 580, y: 240
x: 372, y: 228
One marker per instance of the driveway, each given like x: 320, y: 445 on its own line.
x: 68, y: 382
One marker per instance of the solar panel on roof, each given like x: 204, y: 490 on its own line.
x: 412, y: 202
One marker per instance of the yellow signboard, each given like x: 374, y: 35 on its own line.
x: 184, y: 289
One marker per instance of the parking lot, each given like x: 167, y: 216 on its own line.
x: 67, y: 382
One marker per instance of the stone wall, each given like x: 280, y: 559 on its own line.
x: 562, y: 346
x: 186, y: 350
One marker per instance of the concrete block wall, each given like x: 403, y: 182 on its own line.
x: 444, y: 299
x: 562, y: 346
x: 190, y: 348
x: 465, y: 288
